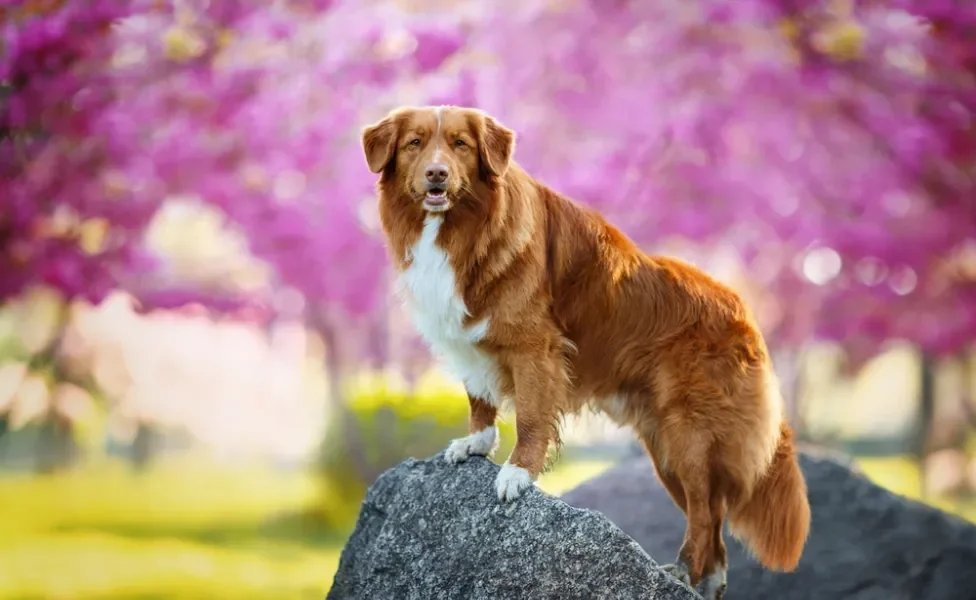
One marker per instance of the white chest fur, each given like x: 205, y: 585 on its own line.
x: 438, y: 310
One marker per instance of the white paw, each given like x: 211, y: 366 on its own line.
x: 476, y: 444
x: 511, y: 481
x: 679, y: 570
x: 713, y: 586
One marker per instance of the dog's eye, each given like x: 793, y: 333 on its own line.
x: 415, y: 142
x: 459, y: 143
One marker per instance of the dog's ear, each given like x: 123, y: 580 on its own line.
x: 379, y: 142
x: 496, y: 144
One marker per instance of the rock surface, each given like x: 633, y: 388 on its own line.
x: 865, y: 543
x: 432, y: 531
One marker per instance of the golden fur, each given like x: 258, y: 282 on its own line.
x: 573, y: 314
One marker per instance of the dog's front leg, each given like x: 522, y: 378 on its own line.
x: 540, y: 389
x: 482, y: 435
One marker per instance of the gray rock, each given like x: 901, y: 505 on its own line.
x: 432, y: 531
x: 865, y: 543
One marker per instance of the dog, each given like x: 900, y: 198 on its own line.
x: 537, y: 302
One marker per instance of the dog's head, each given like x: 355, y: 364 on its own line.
x: 439, y: 156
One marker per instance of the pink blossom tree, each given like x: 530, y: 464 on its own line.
x: 111, y: 108
x: 827, y: 143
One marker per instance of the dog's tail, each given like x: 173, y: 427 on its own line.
x: 774, y: 522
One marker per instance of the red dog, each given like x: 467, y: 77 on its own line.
x: 533, y: 299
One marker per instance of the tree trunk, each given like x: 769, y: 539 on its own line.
x: 342, y: 422
x: 143, y: 446
x: 790, y: 369
x: 56, y: 449
x: 925, y: 415
x: 378, y: 339
x: 968, y: 414
x: 333, y: 361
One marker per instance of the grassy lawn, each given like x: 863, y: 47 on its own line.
x: 182, y: 530
x: 190, y: 529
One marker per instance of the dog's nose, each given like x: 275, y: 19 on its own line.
x: 436, y: 173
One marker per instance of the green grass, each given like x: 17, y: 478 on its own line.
x: 183, y: 530
x: 190, y: 529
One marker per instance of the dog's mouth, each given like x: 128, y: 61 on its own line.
x: 436, y: 198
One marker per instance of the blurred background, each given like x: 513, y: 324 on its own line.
x: 201, y: 365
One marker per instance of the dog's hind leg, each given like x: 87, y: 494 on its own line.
x: 683, y: 460
x: 714, y: 581
x: 676, y: 490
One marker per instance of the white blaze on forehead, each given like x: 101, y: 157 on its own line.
x: 438, y: 112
